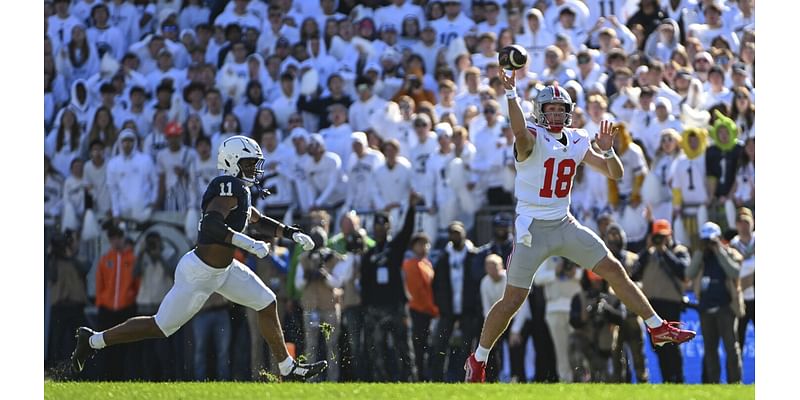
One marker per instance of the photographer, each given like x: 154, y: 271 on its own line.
x: 714, y: 271
x: 353, y: 246
x: 412, y: 87
x: 660, y: 269
x: 592, y: 313
x: 320, y: 277
x: 66, y: 278
x: 155, y: 273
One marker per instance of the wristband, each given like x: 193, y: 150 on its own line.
x: 511, y: 93
x: 608, y: 154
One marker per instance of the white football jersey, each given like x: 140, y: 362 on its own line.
x: 689, y: 176
x: 544, y: 179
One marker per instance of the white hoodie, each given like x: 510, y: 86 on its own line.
x: 132, y: 182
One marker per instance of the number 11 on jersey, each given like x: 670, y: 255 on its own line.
x: 566, y: 169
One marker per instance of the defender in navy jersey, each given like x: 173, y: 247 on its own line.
x: 210, y: 267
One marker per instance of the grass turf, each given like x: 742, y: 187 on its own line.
x: 328, y: 391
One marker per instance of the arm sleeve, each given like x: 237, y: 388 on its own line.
x: 727, y: 260
x: 694, y: 264
x: 339, y: 273
x: 400, y: 243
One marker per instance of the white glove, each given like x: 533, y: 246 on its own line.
x: 250, y: 245
x: 304, y: 240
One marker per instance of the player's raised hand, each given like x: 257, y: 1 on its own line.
x: 605, y: 139
x: 509, y: 81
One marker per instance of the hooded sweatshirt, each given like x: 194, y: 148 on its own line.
x: 80, y: 106
x: 247, y: 110
x: 536, y: 42
x: 132, y: 181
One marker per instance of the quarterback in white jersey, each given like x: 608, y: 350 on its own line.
x: 547, y: 153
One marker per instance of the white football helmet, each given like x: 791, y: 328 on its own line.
x: 237, y: 148
x: 552, y: 94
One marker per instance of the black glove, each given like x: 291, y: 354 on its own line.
x: 288, y: 231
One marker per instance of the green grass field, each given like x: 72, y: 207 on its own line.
x: 299, y: 391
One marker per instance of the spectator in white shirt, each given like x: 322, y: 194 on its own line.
x: 716, y: 91
x: 713, y: 27
x: 325, y: 176
x: 367, y: 104
x: 361, y: 165
x: 63, y: 144
x: 239, y: 15
x: 664, y: 119
x: 141, y: 116
x: 59, y: 26
x: 132, y: 181
x: 205, y: 167
x: 277, y: 174
x: 77, y: 58
x: 175, y: 166
x: 107, y: 37
x: 230, y: 127
x: 644, y: 115
x: 286, y: 103
x: 337, y: 135
x: 555, y: 69
x: 392, y: 182
x: 454, y: 24
x: 493, y: 285
x: 493, y: 24
x: 212, y: 116
x: 428, y: 47
x: 589, y: 72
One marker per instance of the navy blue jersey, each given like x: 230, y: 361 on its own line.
x: 228, y: 186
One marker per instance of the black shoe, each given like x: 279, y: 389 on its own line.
x: 82, y: 350
x: 304, y: 372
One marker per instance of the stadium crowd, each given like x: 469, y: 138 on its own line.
x: 384, y: 132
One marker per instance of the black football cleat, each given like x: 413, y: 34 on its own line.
x: 82, y: 350
x: 304, y: 372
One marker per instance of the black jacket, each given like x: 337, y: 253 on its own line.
x: 443, y: 288
x: 389, y: 255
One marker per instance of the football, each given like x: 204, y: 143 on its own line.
x: 512, y: 57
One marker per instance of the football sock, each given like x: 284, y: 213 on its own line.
x: 96, y: 341
x: 482, y: 354
x: 286, y: 365
x: 654, y: 322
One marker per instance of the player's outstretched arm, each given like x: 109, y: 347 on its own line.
x: 280, y: 229
x: 523, y: 140
x: 213, y: 225
x: 607, y: 163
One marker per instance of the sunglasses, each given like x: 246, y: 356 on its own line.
x: 420, y: 125
x: 583, y: 60
x: 489, y: 111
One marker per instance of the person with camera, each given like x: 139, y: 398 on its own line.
x: 561, y: 281
x: 661, y: 269
x: 745, y: 243
x: 320, y: 277
x: 155, y: 272
x: 66, y: 279
x: 630, y: 331
x: 714, y: 272
x: 593, y: 314
x: 384, y: 298
x: 412, y: 87
x: 419, y: 275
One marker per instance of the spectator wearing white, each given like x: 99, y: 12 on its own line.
x: 274, y: 30
x: 193, y: 13
x: 321, y: 10
x: 59, y: 25
x: 286, y: 103
x: 569, y: 26
x: 487, y: 167
x: 493, y: 23
x: 419, y: 154
x: 125, y: 16
x: 454, y: 24
x: 77, y: 58
x: 535, y: 38
x: 428, y: 47
x: 445, y: 199
x: 299, y: 140
x: 596, y: 108
x: 555, y: 69
x: 644, y: 114
x: 553, y: 12
x: 53, y: 197
x: 173, y: 42
x: 745, y: 192
x: 652, y: 136
x: 94, y: 173
x: 486, y: 51
x: 205, y: 166
x: 277, y: 173
x: 74, y: 197
x: 367, y: 103
x: 447, y: 91
x: 165, y: 70
x: 230, y: 127
x: 716, y: 92
x: 713, y: 27
x: 589, y: 72
x: 343, y: 47
x: 662, y: 43
x: 107, y: 37
x: 142, y: 116
x: 392, y: 183
x: 745, y: 243
x: 361, y: 166
x: 175, y: 164
x: 325, y: 175
x: 212, y: 116
x: 656, y: 190
x: 132, y: 180
x: 247, y: 110
x: 81, y: 9
x: 561, y: 281
x: 155, y: 139
x: 239, y: 15
x: 63, y: 143
x: 744, y: 18
x: 337, y: 136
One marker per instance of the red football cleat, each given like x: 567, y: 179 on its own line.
x: 476, y: 370
x: 669, y: 332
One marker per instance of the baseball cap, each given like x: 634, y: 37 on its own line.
x: 663, y: 101
x: 173, y: 129
x: 662, y: 227
x: 127, y: 134
x: 710, y: 230
x: 705, y: 56
x: 443, y: 129
x: 359, y: 137
x: 299, y: 133
x: 503, y: 219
